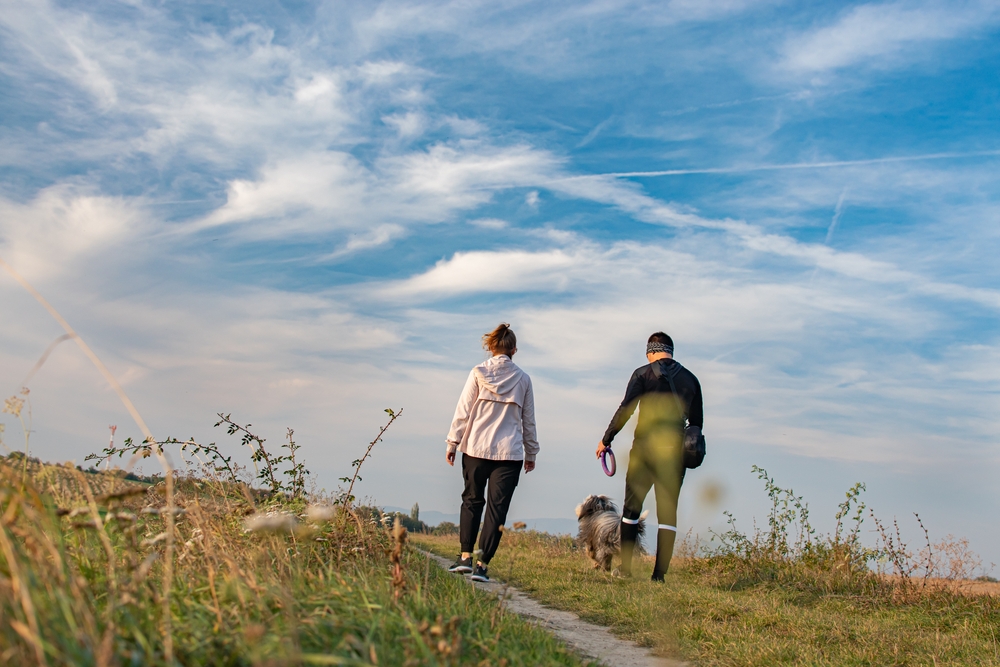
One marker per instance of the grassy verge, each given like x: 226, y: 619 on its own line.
x: 83, y: 585
x: 713, y: 611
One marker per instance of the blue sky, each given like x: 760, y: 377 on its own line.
x: 302, y: 213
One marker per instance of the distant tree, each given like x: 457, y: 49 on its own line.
x: 446, y: 528
x: 415, y: 512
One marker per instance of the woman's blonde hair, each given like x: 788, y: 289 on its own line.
x: 501, y: 340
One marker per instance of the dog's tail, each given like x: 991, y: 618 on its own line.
x: 642, y: 523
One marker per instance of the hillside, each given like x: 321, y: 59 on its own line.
x: 721, y: 611
x: 89, y: 575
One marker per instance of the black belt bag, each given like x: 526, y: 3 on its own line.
x: 694, y: 441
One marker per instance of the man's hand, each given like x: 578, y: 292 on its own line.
x: 529, y: 466
x: 600, y: 448
x: 450, y: 457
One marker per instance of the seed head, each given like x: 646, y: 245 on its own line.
x: 13, y: 405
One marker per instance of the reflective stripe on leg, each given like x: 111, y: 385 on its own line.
x: 630, y: 521
x: 664, y: 526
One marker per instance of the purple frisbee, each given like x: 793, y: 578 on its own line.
x: 608, y: 456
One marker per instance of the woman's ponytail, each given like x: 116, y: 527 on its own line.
x: 501, y: 340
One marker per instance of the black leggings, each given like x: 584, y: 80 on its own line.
x: 502, y: 477
x: 657, y: 463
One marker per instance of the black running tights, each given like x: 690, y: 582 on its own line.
x: 660, y: 468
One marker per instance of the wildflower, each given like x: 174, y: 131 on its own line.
x: 13, y: 405
x: 320, y: 513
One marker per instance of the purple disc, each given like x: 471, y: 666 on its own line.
x: 607, y: 454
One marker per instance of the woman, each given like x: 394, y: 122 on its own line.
x: 494, y: 428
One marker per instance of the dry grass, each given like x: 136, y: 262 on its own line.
x: 82, y: 572
x: 712, y: 613
x: 783, y: 594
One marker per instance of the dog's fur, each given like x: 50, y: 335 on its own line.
x: 600, y: 529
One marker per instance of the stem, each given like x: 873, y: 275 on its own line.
x: 168, y: 644
x: 392, y: 417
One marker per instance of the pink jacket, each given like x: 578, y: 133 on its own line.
x: 495, y: 417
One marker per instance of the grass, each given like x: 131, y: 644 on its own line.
x: 81, y: 568
x: 718, y: 611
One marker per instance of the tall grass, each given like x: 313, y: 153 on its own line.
x: 781, y: 594
x: 790, y: 552
x: 258, y: 580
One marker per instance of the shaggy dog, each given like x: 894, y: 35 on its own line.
x: 600, y: 529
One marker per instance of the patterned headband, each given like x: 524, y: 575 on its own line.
x: 654, y: 347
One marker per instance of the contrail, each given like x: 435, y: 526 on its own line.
x: 836, y: 217
x: 800, y: 165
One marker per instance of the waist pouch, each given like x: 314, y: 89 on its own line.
x: 694, y: 440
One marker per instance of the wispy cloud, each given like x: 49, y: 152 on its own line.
x: 307, y: 214
x: 875, y: 34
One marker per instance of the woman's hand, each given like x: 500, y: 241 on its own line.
x: 450, y: 458
x: 529, y: 466
x: 600, y: 448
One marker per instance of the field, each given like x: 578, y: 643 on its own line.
x: 733, y: 610
x: 256, y: 579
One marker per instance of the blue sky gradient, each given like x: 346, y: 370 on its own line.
x: 305, y: 212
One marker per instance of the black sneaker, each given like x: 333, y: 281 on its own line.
x: 480, y: 573
x: 462, y: 565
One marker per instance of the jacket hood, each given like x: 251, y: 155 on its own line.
x: 499, y: 374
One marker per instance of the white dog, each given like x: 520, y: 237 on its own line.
x: 600, y: 529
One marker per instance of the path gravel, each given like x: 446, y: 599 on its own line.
x: 592, y: 641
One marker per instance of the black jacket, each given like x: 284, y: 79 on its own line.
x: 645, y: 383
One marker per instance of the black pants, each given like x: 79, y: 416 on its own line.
x: 655, y: 462
x: 502, y: 477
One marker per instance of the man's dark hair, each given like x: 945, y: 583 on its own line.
x: 662, y: 338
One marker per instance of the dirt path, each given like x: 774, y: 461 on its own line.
x: 592, y: 641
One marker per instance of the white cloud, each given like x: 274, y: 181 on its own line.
x: 496, y: 272
x: 408, y: 125
x: 386, y: 72
x: 873, y: 34
x: 464, y: 174
x: 317, y: 192
x: 319, y: 87
x: 65, y: 228
x: 376, y: 237
x: 331, y: 182
x: 488, y: 223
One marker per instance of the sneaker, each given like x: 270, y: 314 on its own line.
x: 480, y: 573
x: 462, y: 565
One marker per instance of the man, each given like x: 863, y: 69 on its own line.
x: 669, y: 397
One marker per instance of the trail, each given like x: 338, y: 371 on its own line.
x: 592, y: 641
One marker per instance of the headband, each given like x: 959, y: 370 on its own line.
x: 654, y: 347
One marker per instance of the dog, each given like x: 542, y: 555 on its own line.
x: 600, y: 530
